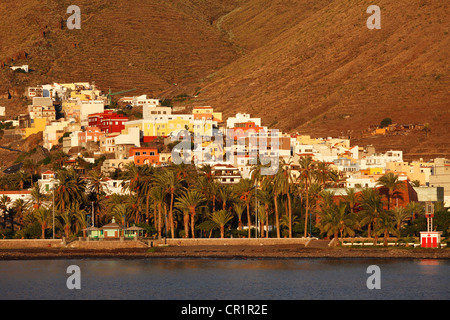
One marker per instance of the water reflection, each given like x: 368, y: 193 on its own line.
x: 226, y: 279
x: 429, y: 266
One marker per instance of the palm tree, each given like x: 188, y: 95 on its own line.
x: 11, y: 212
x: 189, y: 201
x: 225, y: 194
x: 60, y: 157
x: 22, y: 177
x: 65, y: 220
x: 121, y: 213
x: 392, y: 184
x: 80, y: 218
x: 415, y: 208
x: 43, y: 217
x: 307, y: 172
x: 134, y: 176
x: 286, y: 187
x: 372, y: 207
x: 239, y: 208
x: 31, y: 166
x: 337, y: 219
x: 37, y: 196
x: 4, y: 203
x: 147, y: 184
x: 276, y: 181
x: 244, y: 189
x: 385, y: 226
x: 96, y: 186
x: 168, y: 180
x: 352, y: 199
x: 209, y: 187
x: 70, y: 188
x: 20, y: 206
x: 157, y: 195
x: 399, y: 215
x: 265, y: 198
x: 221, y: 218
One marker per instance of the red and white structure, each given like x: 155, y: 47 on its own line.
x: 430, y: 238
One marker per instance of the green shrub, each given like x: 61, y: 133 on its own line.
x: 385, y: 122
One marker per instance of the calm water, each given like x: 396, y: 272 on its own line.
x: 210, y: 279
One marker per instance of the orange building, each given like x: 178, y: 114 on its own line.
x: 241, y: 129
x: 143, y: 155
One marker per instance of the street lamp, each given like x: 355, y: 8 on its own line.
x: 53, y: 192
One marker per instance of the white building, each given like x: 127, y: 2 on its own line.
x: 88, y: 107
x: 380, y: 160
x: 23, y: 67
x: 140, y: 101
x: 48, y: 181
x: 151, y: 111
x: 240, y: 118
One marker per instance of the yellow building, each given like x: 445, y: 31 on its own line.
x: 414, y: 171
x: 161, y: 127
x: 71, y: 109
x: 206, y: 113
x: 38, y: 125
x: 305, y: 139
x: 79, y: 95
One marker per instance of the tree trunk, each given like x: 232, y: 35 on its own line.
x: 290, y: 214
x: 147, y: 208
x: 277, y: 215
x: 186, y: 225
x: 249, y: 223
x: 222, y: 231
x: 172, y: 226
x: 43, y: 227
x: 192, y: 225
x: 336, y: 242
x: 306, y: 212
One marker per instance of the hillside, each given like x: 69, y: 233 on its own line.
x: 320, y: 65
x: 302, y: 66
x: 149, y: 45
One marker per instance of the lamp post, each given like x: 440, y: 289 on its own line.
x: 256, y: 210
x: 92, y: 210
x: 53, y: 224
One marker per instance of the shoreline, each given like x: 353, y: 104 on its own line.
x: 222, y: 252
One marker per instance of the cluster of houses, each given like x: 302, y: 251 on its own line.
x: 77, y: 116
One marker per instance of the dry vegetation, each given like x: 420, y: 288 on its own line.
x: 312, y: 60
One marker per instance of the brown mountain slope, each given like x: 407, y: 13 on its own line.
x: 323, y: 72
x: 150, y: 45
x: 300, y: 65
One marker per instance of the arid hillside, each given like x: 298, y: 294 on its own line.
x: 304, y: 66
x: 314, y: 67
x: 148, y: 45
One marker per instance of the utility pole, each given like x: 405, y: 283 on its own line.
x: 53, y: 191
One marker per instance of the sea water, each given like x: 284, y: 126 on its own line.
x: 225, y: 279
